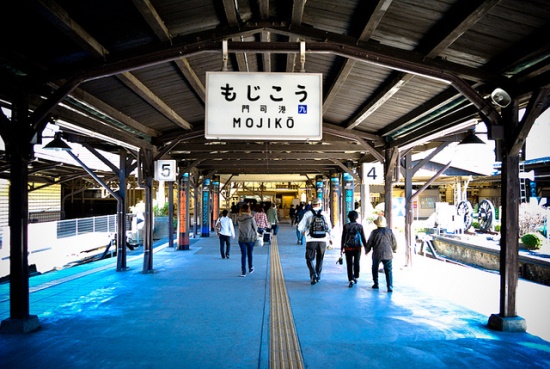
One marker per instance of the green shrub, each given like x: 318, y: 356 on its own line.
x: 160, y: 211
x: 475, y: 225
x: 531, y: 241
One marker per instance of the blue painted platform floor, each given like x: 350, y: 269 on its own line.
x: 195, y: 311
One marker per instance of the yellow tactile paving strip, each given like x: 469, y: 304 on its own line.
x: 284, y: 347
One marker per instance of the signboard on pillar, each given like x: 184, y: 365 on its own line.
x: 398, y: 206
x: 205, y: 231
x: 319, y: 187
x: 348, y: 193
x: 183, y: 209
x: 335, y: 189
x: 215, y: 200
x: 281, y: 106
x: 165, y: 170
x: 373, y: 173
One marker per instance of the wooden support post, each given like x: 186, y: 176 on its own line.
x: 148, y: 172
x: 390, y: 163
x: 408, y: 209
x: 170, y: 214
x: 19, y: 150
x: 121, y: 213
x: 507, y: 320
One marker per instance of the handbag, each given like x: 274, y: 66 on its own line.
x: 259, y: 241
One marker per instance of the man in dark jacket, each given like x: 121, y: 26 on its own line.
x: 383, y: 244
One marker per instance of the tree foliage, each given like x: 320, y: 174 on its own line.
x: 531, y: 217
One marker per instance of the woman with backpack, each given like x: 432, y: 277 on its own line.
x: 353, y: 236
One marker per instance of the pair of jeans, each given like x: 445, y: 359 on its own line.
x: 353, y: 257
x: 246, y: 251
x: 299, y: 236
x: 225, y: 245
x: 387, y: 270
x: 315, y: 251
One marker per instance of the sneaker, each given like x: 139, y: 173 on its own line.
x: 314, y: 279
x: 375, y: 286
x: 354, y: 281
x: 251, y: 270
x: 350, y: 284
x: 390, y: 290
x: 227, y: 256
x: 243, y: 274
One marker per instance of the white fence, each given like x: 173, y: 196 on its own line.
x: 53, y: 245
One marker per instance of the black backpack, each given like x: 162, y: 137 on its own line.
x: 353, y: 238
x: 317, y: 227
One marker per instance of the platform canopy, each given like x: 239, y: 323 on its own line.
x: 400, y: 73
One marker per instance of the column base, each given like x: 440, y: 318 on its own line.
x: 25, y: 325
x: 507, y: 324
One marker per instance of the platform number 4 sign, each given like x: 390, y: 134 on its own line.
x: 165, y: 170
x: 373, y: 173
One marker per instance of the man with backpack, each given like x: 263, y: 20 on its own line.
x: 316, y: 226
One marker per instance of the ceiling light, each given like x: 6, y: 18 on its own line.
x: 471, y: 138
x: 57, y: 144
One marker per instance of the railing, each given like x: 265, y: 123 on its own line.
x: 105, y: 223
x: 54, y: 245
x: 75, y: 227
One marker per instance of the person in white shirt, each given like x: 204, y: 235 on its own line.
x: 315, y: 245
x: 226, y: 232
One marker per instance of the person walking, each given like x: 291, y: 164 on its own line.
x: 353, y: 236
x: 226, y: 231
x: 273, y: 218
x: 248, y: 232
x: 261, y: 219
x: 316, y: 226
x: 383, y: 244
x: 292, y: 215
x: 299, y: 215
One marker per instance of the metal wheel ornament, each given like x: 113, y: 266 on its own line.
x: 485, y: 215
x: 466, y: 212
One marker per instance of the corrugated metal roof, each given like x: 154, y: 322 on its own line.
x: 393, y: 72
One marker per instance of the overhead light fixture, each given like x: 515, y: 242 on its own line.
x: 471, y: 138
x: 57, y: 144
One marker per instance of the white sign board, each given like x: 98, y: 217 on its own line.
x: 263, y: 106
x: 165, y: 170
x: 373, y: 173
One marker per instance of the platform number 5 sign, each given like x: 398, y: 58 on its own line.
x: 165, y: 170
